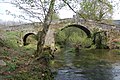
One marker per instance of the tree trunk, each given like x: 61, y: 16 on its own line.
x: 46, y: 24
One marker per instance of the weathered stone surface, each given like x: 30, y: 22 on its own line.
x: 57, y: 25
x: 2, y: 63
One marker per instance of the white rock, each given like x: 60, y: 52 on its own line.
x: 2, y: 63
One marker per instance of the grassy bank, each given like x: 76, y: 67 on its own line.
x: 15, y: 56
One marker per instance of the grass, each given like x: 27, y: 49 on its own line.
x: 16, y: 57
x: 19, y: 59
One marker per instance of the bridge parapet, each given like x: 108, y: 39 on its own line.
x: 61, y: 24
x: 35, y: 27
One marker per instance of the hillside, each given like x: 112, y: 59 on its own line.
x: 116, y: 22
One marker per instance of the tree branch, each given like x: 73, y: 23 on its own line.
x: 30, y: 12
x: 73, y: 9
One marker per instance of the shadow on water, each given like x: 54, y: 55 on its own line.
x: 88, y: 65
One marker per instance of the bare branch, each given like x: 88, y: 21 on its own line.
x: 28, y: 11
x: 44, y: 10
x: 73, y: 9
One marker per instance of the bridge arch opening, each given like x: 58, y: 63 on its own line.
x: 26, y: 36
x: 88, y: 33
x: 100, y: 40
x: 98, y: 34
x: 73, y: 35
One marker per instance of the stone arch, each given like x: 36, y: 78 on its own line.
x: 88, y: 33
x: 97, y: 33
x: 25, y: 38
x: 98, y: 43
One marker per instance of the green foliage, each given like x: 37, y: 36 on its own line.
x: 74, y: 38
x: 25, y: 76
x: 117, y: 44
x: 60, y: 37
x: 5, y: 53
x: 55, y: 16
x: 33, y: 75
x: 31, y: 39
x: 94, y: 10
x: 11, y: 66
x: 2, y: 42
x: 16, y: 56
x: 94, y: 30
x: 12, y: 43
x: 12, y: 39
x: 100, y: 40
x: 71, y: 37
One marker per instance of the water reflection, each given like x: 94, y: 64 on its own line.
x: 94, y: 66
x: 88, y: 65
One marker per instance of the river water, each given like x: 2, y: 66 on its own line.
x: 87, y: 65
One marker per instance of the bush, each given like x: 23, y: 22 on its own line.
x: 71, y: 37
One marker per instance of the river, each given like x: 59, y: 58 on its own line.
x: 87, y: 65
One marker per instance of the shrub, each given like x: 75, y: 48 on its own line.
x: 72, y: 36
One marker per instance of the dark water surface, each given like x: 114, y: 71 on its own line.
x: 87, y: 65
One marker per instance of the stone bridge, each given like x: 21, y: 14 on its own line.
x: 33, y: 28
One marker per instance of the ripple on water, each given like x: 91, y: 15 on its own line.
x: 69, y: 74
x: 116, y: 71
